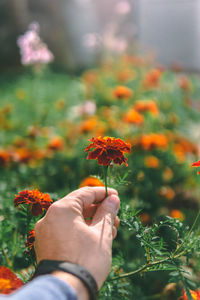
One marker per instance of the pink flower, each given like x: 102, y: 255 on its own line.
x: 32, y: 49
x: 123, y: 7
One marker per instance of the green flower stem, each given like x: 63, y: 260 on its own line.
x: 147, y: 266
x: 106, y: 179
x: 189, y: 233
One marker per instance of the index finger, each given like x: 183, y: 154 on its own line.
x: 87, y: 196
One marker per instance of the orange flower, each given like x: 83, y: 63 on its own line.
x: 89, y: 125
x: 4, y: 157
x: 195, y: 295
x: 167, y: 192
x: 122, y: 92
x: 153, y: 140
x: 185, y: 84
x: 176, y: 213
x: 9, y: 282
x: 152, y: 78
x: 56, y: 143
x: 30, y: 242
x: 108, y: 149
x: 196, y: 164
x: 91, y: 181
x: 145, y: 218
x: 23, y: 155
x: 133, y: 117
x: 126, y: 75
x: 167, y: 174
x: 147, y: 106
x: 37, y: 201
x: 152, y: 162
x: 89, y: 77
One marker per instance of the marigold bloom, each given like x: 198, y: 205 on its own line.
x: 195, y: 295
x: 153, y: 140
x: 56, y: 143
x: 167, y: 174
x: 9, y: 282
x: 91, y: 181
x: 133, y: 117
x: 185, y: 84
x: 196, y: 164
x: 126, y: 75
x: 122, y: 92
x: 145, y: 218
x: 167, y: 192
x: 89, y: 124
x: 30, y: 241
x: 4, y: 157
x: 146, y: 106
x: 176, y: 213
x: 23, y: 155
x: 108, y: 149
x: 152, y: 162
x: 152, y: 78
x: 37, y: 201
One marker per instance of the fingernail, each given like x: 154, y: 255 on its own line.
x: 113, y: 202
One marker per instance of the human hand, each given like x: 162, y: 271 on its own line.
x: 64, y: 234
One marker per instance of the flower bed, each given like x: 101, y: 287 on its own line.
x: 46, y: 122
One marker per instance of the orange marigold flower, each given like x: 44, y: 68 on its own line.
x: 4, y: 157
x: 126, y: 75
x: 89, y: 124
x: 195, y: 295
x: 168, y: 174
x: 152, y: 162
x: 167, y: 192
x: 133, y: 117
x: 38, y: 201
x: 91, y: 181
x: 56, y: 143
x: 152, y: 78
x: 196, y: 164
x: 23, y: 155
x: 146, y: 106
x: 9, y: 282
x: 176, y: 213
x: 153, y: 140
x: 30, y: 242
x: 122, y: 92
x: 185, y: 84
x: 145, y: 218
x: 108, y: 149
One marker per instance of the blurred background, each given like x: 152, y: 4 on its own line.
x: 80, y: 32
x: 71, y: 70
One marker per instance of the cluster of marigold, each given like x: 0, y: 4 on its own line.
x: 21, y: 153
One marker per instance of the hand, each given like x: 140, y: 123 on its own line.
x: 64, y: 234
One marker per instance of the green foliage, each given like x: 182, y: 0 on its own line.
x: 151, y: 249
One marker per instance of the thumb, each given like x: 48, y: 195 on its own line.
x: 104, y: 218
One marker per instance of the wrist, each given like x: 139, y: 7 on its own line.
x: 82, y: 274
x: 74, y: 282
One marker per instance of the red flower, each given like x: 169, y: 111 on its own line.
x: 196, y: 164
x: 30, y: 242
x: 108, y: 149
x: 195, y: 295
x: 37, y: 201
x: 9, y: 282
